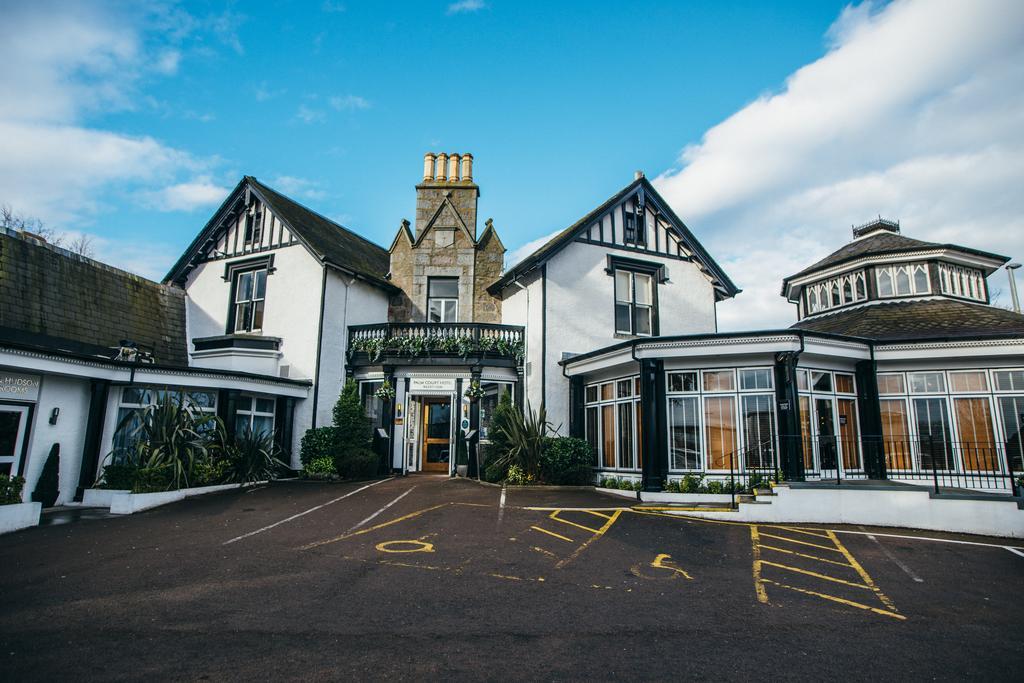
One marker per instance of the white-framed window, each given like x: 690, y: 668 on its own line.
x: 612, y: 411
x: 443, y: 300
x: 254, y: 414
x: 843, y: 290
x: 902, y: 280
x: 634, y: 302
x: 715, y: 423
x: 968, y: 283
x: 133, y: 399
x: 249, y: 300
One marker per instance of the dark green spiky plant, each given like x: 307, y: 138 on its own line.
x: 525, y: 433
x: 169, y: 438
x: 48, y: 486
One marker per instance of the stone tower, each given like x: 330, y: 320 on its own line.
x: 445, y: 249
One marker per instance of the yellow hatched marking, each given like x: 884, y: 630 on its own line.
x: 552, y: 533
x: 816, y: 575
x: 802, y: 531
x: 542, y: 550
x: 755, y: 543
x: 597, y: 534
x: 793, y: 540
x: 809, y: 557
x: 833, y: 598
x: 599, y: 514
x: 554, y: 516
x: 863, y: 574
x: 367, y: 530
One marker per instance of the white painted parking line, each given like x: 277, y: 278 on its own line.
x: 501, y: 505
x: 1015, y: 551
x: 305, y: 512
x: 371, y: 517
x: 895, y: 560
x: 1011, y: 548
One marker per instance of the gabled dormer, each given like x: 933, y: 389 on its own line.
x: 881, y: 265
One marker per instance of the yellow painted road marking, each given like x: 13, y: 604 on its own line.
x: 597, y: 534
x: 755, y: 543
x: 803, y: 531
x: 664, y: 561
x: 809, y: 557
x: 415, y: 547
x: 367, y: 530
x: 599, y: 514
x: 863, y: 574
x: 554, y: 516
x: 542, y: 550
x: 793, y: 540
x: 816, y: 575
x: 843, y: 601
x: 552, y: 533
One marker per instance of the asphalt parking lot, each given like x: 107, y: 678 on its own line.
x: 427, y: 577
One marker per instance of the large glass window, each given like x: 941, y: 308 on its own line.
x: 1011, y: 409
x: 443, y: 300
x: 634, y: 302
x: 135, y: 398
x: 250, y: 295
x: 895, y: 434
x: 684, y: 432
x: 759, y: 430
x: 932, y: 420
x: 613, y: 423
x: 977, y: 441
x: 720, y: 431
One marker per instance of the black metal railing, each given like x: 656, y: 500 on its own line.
x: 752, y: 467
x: 437, y: 339
x: 929, y: 460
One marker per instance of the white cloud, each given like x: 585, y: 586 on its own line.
x: 464, y: 6
x: 914, y: 113
x: 264, y: 92
x: 518, y: 254
x: 63, y: 63
x: 348, y: 102
x: 309, y: 115
x: 188, y: 196
x: 332, y: 7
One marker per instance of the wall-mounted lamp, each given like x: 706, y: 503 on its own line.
x: 54, y: 414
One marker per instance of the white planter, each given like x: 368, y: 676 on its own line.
x: 100, y: 498
x: 19, y: 516
x: 126, y: 503
x: 666, y: 497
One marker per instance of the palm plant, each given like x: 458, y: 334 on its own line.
x: 166, y: 440
x: 255, y: 457
x: 525, y: 433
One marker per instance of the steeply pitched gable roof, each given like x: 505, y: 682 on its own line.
x: 328, y: 241
x: 919, y: 320
x: 565, y: 237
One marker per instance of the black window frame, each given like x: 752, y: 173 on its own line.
x: 634, y: 225
x: 658, y: 275
x: 232, y: 272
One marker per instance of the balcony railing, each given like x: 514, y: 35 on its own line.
x: 436, y: 340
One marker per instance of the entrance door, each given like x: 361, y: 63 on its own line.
x: 13, y: 424
x: 437, y: 434
x: 828, y: 448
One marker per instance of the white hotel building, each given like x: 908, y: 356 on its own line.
x: 898, y: 367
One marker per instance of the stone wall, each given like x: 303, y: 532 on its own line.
x: 490, y: 257
x: 49, y: 292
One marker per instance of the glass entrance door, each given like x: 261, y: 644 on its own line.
x: 13, y: 424
x: 825, y: 426
x: 437, y: 434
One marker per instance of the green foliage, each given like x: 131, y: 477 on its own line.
x: 672, y: 485
x: 716, y: 487
x: 253, y: 457
x: 517, y: 476
x: 496, y: 452
x: 423, y: 345
x: 320, y: 468
x: 566, y: 461
x: 353, y: 430
x: 361, y: 463
x: 10, y: 489
x: 317, y: 443
x: 169, y: 439
x: 525, y: 435
x: 118, y: 477
x: 692, y: 483
x: 48, y: 486
x: 211, y: 471
x: 609, y: 483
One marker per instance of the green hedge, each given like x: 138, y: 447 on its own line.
x: 566, y: 461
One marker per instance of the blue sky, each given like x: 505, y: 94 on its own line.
x: 770, y: 127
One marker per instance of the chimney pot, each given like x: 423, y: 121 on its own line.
x: 453, y: 167
x: 467, y: 167
x: 428, y: 166
x: 442, y: 167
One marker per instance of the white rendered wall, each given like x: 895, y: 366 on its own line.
x: 291, y: 311
x: 581, y: 310
x: 71, y: 395
x: 524, y: 307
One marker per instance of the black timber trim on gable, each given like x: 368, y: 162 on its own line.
x: 658, y: 270
x: 687, y: 239
x: 231, y: 268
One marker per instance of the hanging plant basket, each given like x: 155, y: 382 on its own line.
x: 386, y: 392
x: 474, y: 392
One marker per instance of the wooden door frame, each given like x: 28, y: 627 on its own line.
x: 425, y: 403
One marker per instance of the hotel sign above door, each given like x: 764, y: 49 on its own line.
x: 15, y: 386
x: 419, y: 385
